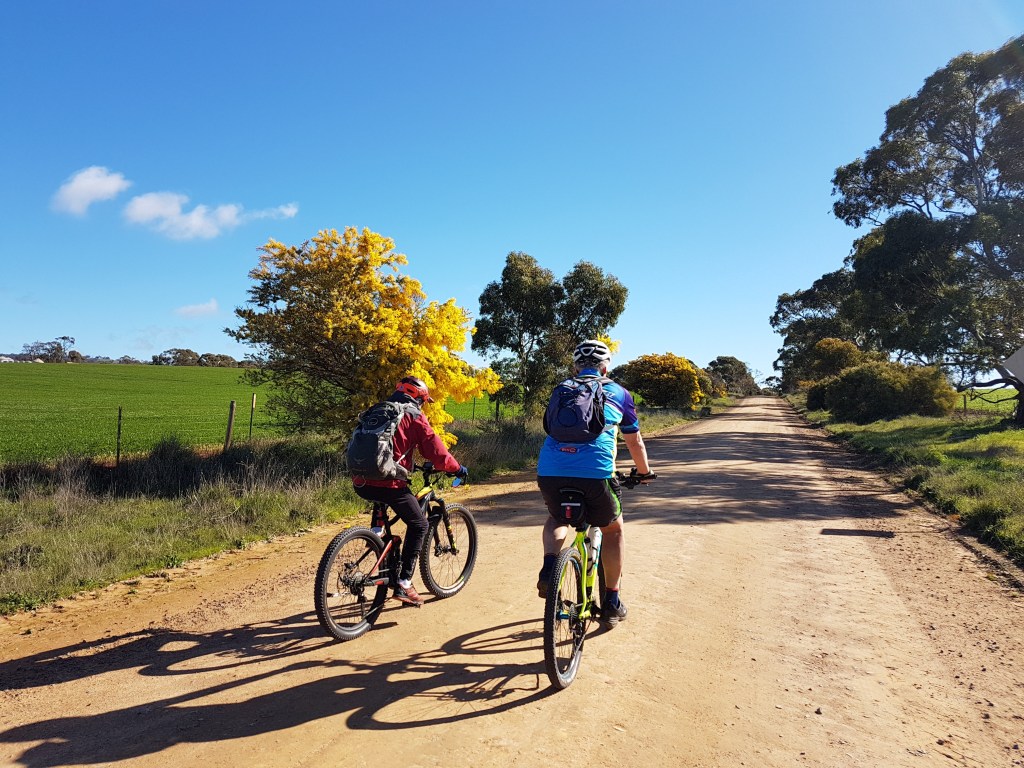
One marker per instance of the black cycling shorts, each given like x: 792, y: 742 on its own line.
x: 600, y: 496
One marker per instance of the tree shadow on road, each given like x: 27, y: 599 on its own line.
x: 728, y: 475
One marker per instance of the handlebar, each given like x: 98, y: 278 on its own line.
x: 428, y: 469
x: 632, y: 480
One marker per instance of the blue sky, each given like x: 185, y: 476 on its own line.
x: 149, y: 149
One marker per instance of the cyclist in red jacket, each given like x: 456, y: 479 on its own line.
x: 414, y: 431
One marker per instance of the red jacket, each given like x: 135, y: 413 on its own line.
x: 414, y: 432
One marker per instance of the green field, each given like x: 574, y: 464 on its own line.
x: 479, y: 409
x: 1000, y: 401
x: 47, y: 411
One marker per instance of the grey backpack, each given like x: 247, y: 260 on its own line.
x: 371, y: 449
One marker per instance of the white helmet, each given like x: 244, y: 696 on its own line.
x: 592, y: 353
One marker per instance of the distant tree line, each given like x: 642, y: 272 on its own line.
x: 335, y: 321
x: 61, y: 350
x: 530, y: 321
x: 188, y: 357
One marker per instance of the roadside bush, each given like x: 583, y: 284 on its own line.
x: 663, y: 380
x: 930, y: 389
x: 817, y: 394
x: 833, y: 356
x: 883, y: 390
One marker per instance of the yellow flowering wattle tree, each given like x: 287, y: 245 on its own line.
x: 668, y: 380
x: 335, y: 324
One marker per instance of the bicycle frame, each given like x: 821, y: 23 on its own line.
x: 570, y: 601
x: 582, y: 544
x: 392, y: 543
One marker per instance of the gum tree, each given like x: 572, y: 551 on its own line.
x: 530, y: 322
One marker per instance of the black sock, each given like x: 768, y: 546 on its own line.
x: 611, y: 598
x: 549, y: 563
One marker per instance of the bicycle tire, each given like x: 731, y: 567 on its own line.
x: 347, y: 601
x: 564, y: 630
x: 446, y: 562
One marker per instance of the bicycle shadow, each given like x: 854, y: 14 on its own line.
x: 161, y: 651
x: 370, y: 694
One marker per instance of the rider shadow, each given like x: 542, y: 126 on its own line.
x: 370, y: 694
x: 160, y: 651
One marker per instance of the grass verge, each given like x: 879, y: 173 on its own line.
x: 79, y: 524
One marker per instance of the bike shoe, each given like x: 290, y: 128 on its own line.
x: 543, y: 578
x: 612, y: 616
x: 408, y: 595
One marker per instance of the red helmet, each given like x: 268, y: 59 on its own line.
x: 414, y: 388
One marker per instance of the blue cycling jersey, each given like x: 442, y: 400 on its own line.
x: 595, y: 459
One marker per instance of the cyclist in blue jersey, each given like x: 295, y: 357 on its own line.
x: 591, y: 468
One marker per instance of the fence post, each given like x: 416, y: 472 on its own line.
x: 117, y: 455
x: 965, y: 403
x: 252, y: 413
x: 231, y: 425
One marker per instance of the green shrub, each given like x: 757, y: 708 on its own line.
x: 883, y: 390
x: 830, y: 357
x: 817, y: 394
x: 928, y: 388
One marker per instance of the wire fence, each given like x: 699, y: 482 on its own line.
x: 88, y: 430
x: 481, y: 409
x: 998, y: 401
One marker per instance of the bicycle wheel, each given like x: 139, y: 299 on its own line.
x: 347, y: 600
x: 449, y: 552
x: 564, y: 630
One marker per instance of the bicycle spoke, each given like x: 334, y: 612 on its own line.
x: 349, y: 591
x: 564, y: 625
x: 449, y: 553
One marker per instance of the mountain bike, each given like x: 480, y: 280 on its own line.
x: 360, y: 564
x: 572, y: 602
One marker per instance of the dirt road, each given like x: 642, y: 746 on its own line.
x: 786, y: 609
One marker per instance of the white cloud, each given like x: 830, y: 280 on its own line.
x: 280, y: 212
x: 88, y: 186
x: 165, y: 212
x: 198, y: 310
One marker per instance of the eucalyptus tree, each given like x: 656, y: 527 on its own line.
x: 939, y: 278
x: 945, y: 189
x: 530, y: 321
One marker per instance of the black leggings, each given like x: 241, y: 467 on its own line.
x: 404, y: 502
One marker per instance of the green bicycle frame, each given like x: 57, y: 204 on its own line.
x: 582, y: 544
